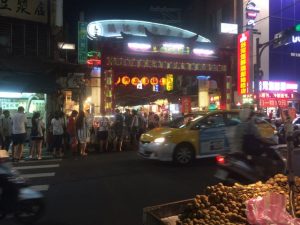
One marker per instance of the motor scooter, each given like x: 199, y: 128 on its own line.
x: 16, y: 197
x: 241, y: 168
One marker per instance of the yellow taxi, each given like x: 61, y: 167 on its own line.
x: 208, y: 135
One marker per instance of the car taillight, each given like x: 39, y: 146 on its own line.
x: 220, y: 159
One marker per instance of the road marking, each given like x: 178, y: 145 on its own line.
x: 36, y: 175
x: 35, y: 167
x: 39, y: 161
x: 40, y: 187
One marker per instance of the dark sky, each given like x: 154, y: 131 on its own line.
x: 113, y: 9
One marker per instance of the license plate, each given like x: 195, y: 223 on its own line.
x: 221, y: 174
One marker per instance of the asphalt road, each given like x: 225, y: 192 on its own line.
x: 113, y: 188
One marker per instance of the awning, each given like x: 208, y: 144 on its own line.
x: 27, y: 82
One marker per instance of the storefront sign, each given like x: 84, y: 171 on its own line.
x: 243, y: 62
x: 162, y: 81
x: 276, y: 95
x: 170, y: 82
x: 34, y: 10
x: 272, y: 102
x: 82, y: 43
x: 186, y: 104
x: 251, y: 13
x: 159, y: 64
x: 266, y: 85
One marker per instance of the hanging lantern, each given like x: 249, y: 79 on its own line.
x: 154, y: 81
x: 118, y: 81
x: 162, y: 81
x: 135, y: 81
x: 125, y: 80
x: 145, y: 81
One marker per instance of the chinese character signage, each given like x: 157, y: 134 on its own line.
x: 34, y: 10
x: 170, y: 82
x: 266, y: 85
x: 186, y: 104
x: 244, y: 62
x: 162, y: 64
x: 82, y: 43
x: 272, y: 102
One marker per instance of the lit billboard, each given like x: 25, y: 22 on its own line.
x: 244, y: 63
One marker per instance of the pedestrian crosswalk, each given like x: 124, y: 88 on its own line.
x: 38, y: 172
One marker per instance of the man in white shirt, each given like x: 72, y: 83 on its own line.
x: 19, y: 122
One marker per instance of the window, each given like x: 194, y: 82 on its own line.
x: 212, y: 121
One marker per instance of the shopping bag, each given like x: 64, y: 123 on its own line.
x: 269, y: 209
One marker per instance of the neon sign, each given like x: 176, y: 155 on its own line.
x: 295, y: 39
x: 266, y: 85
x: 251, y: 14
x: 243, y: 63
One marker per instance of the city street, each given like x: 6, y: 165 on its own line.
x: 113, y: 188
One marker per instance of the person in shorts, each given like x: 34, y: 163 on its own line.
x: 102, y: 132
x: 19, y: 122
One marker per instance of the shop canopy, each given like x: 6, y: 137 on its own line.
x: 32, y: 74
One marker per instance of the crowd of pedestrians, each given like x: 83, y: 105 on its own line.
x: 77, y: 133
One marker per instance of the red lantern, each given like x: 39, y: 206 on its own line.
x: 162, y: 81
x: 154, y: 81
x: 118, y: 81
x: 125, y: 80
x: 135, y: 81
x: 145, y: 81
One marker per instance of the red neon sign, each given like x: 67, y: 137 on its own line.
x: 243, y: 62
x: 93, y: 62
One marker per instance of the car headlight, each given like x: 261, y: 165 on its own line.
x: 159, y: 140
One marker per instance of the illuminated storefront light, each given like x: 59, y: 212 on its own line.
x: 10, y: 95
x: 173, y: 46
x: 200, y: 51
x: 266, y: 85
x: 139, y: 46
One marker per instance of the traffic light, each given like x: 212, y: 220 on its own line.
x: 285, y: 37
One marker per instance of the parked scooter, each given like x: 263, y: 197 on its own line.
x: 16, y: 197
x: 246, y: 169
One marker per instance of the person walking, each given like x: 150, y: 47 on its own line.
x: 19, y: 122
x: 37, y: 136
x: 135, y: 127
x: 6, y: 129
x: 83, y: 133
x: 118, y: 130
x: 57, y: 125
x: 102, y: 133
x: 71, y: 130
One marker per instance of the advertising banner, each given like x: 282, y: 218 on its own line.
x: 34, y: 10
x: 82, y: 43
x: 244, y: 63
x: 272, y: 102
x: 186, y: 104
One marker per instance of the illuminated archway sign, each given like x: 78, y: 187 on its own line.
x: 113, y: 28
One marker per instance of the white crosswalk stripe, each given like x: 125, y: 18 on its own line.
x: 39, y: 172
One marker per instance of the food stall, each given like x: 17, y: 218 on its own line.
x: 222, y: 204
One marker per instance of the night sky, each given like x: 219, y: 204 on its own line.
x: 112, y: 9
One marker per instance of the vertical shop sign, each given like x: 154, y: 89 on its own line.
x: 169, y: 82
x: 108, y: 89
x: 82, y: 42
x: 243, y: 62
x: 186, y: 104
